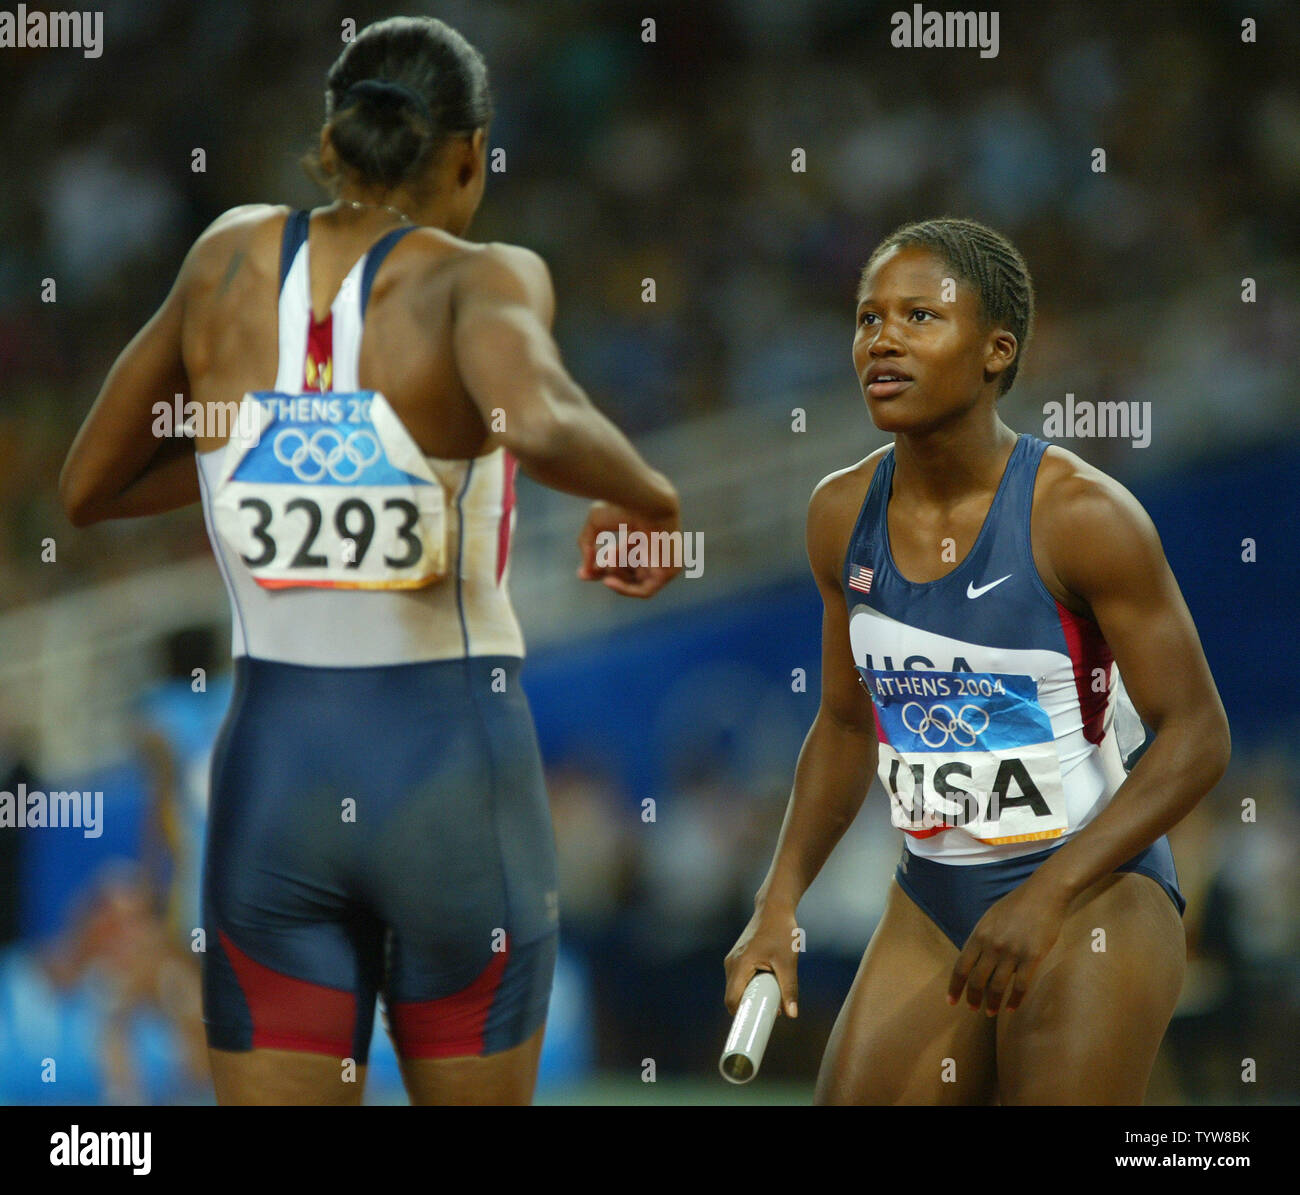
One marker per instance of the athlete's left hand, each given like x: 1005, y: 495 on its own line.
x: 1005, y: 947
x: 606, y: 518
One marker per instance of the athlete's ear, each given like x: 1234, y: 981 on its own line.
x: 473, y: 162
x: 328, y: 157
x: 1002, y: 350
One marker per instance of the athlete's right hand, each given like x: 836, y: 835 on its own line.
x: 767, y: 943
x: 642, y: 581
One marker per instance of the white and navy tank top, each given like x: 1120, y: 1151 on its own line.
x: 340, y: 542
x: 997, y: 709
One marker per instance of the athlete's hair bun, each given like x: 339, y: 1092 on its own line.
x: 397, y: 92
x: 384, y: 94
x: 382, y: 128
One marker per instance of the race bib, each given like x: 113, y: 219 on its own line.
x: 330, y: 491
x: 968, y: 749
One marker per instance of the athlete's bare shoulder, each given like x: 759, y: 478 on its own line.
x: 234, y: 239
x: 1071, y: 494
x: 241, y: 224
x: 833, y: 510
x: 841, y: 493
x: 500, y: 273
x: 1085, y: 521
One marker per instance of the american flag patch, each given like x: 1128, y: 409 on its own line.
x: 860, y: 579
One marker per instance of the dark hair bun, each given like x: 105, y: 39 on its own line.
x: 398, y: 91
x: 384, y: 94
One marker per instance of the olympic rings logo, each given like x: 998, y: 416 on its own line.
x: 344, y: 458
x: 954, y: 727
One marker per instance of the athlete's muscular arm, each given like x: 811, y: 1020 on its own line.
x: 835, y: 765
x: 1103, y: 551
x: 503, y: 307
x: 117, y: 468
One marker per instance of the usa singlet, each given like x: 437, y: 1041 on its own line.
x: 378, y: 819
x: 998, y: 711
x: 326, y: 517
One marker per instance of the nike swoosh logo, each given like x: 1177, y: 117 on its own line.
x: 972, y: 592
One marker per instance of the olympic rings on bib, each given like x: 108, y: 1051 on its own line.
x: 955, y: 726
x: 345, y: 458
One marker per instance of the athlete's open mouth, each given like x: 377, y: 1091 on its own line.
x: 887, y: 385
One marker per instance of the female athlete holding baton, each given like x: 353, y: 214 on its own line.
x: 980, y: 591
x: 378, y: 819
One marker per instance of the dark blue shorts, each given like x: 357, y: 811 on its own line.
x: 955, y: 897
x: 378, y: 831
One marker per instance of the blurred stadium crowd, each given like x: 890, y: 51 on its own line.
x: 672, y: 161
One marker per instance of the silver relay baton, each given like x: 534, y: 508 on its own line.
x: 751, y: 1028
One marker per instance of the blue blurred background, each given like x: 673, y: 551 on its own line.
x: 669, y: 160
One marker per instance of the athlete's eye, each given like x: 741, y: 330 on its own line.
x: 915, y: 311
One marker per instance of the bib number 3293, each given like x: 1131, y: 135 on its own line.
x: 345, y: 503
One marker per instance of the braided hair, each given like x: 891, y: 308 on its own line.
x: 986, y: 261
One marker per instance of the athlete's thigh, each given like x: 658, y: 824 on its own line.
x: 1089, y: 1027
x: 292, y: 959
x: 507, y: 1077
x: 897, y: 1040
x: 285, y: 1077
x: 463, y: 875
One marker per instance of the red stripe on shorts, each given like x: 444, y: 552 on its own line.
x: 450, y: 1026
x: 293, y: 1014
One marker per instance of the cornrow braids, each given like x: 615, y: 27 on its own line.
x: 984, y: 260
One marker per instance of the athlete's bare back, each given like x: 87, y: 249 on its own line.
x: 229, y: 334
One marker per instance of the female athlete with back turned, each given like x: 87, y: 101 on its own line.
x: 378, y: 821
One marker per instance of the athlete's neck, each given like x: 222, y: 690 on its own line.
x: 948, y: 464
x: 381, y: 207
